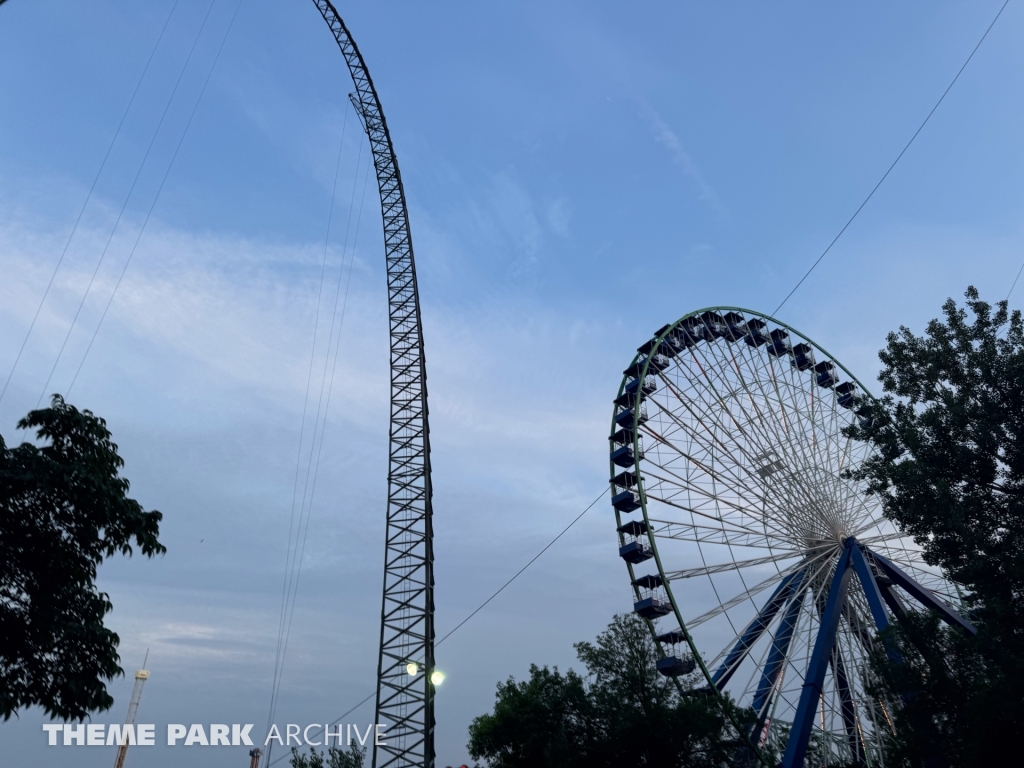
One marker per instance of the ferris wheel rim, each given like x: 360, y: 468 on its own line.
x: 864, y: 512
x: 658, y: 338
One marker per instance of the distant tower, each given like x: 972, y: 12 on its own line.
x: 133, y: 707
x: 255, y: 755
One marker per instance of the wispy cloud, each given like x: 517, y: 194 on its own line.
x: 200, y: 370
x: 669, y: 139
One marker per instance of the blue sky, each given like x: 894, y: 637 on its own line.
x: 579, y: 174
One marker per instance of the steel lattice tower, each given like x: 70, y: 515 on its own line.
x: 405, y: 702
x: 133, y: 708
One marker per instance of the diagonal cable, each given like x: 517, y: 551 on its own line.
x: 297, y: 562
x: 157, y: 197
x: 520, y: 571
x: 1014, y: 282
x: 88, y: 197
x: 479, y: 608
x: 886, y: 174
x: 293, y: 563
x: 121, y: 214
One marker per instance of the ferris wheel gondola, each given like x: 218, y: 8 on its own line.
x: 763, y: 568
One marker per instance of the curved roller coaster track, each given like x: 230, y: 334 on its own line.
x: 405, y: 693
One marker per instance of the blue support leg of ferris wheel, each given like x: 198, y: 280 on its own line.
x: 847, y: 708
x: 870, y: 587
x: 814, y: 678
x: 925, y: 596
x: 777, y: 657
x: 755, y: 629
x: 876, y: 598
x: 899, y: 611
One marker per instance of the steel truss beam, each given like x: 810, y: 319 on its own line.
x: 857, y: 558
x: 925, y: 596
x: 756, y: 628
x: 814, y: 679
x: 777, y: 657
x: 405, y: 703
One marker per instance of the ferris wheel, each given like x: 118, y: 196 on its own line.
x: 764, y: 571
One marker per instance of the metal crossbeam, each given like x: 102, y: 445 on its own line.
x: 925, y: 596
x: 814, y: 679
x: 777, y: 657
x: 756, y: 628
x: 405, y: 703
x: 847, y: 708
x: 870, y: 586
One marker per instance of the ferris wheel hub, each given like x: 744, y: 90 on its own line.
x: 738, y: 518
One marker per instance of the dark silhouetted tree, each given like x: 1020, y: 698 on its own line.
x: 63, y: 509
x: 334, y: 757
x: 949, y: 471
x: 624, y: 713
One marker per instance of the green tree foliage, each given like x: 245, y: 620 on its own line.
x: 334, y: 757
x: 949, y: 471
x: 63, y: 509
x: 944, y: 715
x: 546, y: 720
x: 624, y: 713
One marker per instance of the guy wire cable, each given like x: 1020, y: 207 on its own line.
x: 886, y: 174
x: 292, y: 554
x: 1014, y: 282
x: 297, y: 562
x: 88, y: 197
x: 127, y: 199
x: 478, y: 608
x: 157, y: 197
x: 313, y: 468
x: 305, y: 404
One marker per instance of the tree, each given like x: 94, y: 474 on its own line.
x: 546, y: 720
x: 63, y: 509
x: 334, y: 757
x: 949, y: 470
x: 623, y: 714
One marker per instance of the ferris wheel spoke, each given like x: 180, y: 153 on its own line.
x: 769, y: 669
x: 877, y: 524
x: 711, y: 506
x: 787, y: 437
x: 670, y: 479
x: 689, y: 573
x: 768, y: 426
x: 743, y: 596
x: 731, y: 479
x: 793, y: 658
x: 723, y: 409
x: 855, y: 613
x: 816, y: 564
x: 769, y: 487
x: 745, y: 479
x: 709, y: 534
x: 718, y: 610
x: 847, y: 710
x: 783, y: 428
x: 715, y: 445
x: 705, y: 416
x: 725, y: 508
x: 731, y: 482
x: 734, y: 526
x: 776, y: 653
x: 899, y: 547
x: 788, y: 591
